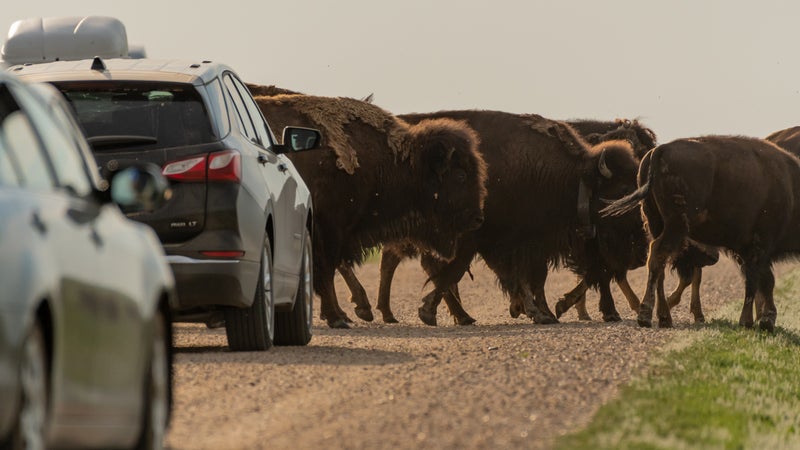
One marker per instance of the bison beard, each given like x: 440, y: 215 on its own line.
x: 692, y: 189
x: 378, y: 179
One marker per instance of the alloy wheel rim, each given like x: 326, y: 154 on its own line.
x: 34, y: 394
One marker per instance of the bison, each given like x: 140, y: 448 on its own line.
x: 732, y: 192
x: 689, y: 265
x: 380, y: 180
x: 563, y: 179
x: 609, y: 255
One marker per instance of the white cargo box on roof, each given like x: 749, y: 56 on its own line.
x: 46, y: 39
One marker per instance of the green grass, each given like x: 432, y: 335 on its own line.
x: 720, y: 387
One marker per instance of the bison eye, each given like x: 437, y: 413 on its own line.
x: 460, y: 175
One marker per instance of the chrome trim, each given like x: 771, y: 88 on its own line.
x: 180, y: 259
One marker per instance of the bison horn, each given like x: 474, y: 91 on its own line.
x: 601, y: 165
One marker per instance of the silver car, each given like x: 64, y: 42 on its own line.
x: 85, y: 335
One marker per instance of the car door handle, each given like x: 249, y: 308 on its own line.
x: 95, y: 236
x: 38, y: 223
x: 262, y: 160
x: 283, y: 167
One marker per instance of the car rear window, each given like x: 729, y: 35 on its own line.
x: 115, y: 115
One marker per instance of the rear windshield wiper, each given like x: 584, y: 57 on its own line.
x: 100, y: 142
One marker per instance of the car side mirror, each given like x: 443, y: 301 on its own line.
x: 296, y: 139
x: 139, y: 188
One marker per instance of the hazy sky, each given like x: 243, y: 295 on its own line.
x: 685, y: 68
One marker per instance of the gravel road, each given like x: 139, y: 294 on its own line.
x: 502, y: 383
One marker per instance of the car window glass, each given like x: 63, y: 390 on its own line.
x: 255, y: 113
x: 66, y: 157
x: 217, y: 100
x: 144, y: 115
x: 241, y: 109
x: 8, y: 167
x: 24, y: 148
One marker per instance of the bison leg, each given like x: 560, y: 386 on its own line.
x: 627, y: 291
x: 675, y: 298
x: 453, y: 300
x: 607, y: 307
x: 358, y: 295
x: 389, y: 262
x: 655, y: 273
x: 329, y: 305
x: 768, y: 312
x: 427, y: 312
x: 580, y: 308
x: 516, y: 307
x: 571, y: 298
x: 695, y: 307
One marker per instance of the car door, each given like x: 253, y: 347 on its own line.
x: 288, y: 213
x: 69, y: 246
x: 113, y: 286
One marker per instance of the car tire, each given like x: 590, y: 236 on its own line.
x: 253, y: 328
x: 294, y: 327
x: 30, y: 430
x: 157, y: 388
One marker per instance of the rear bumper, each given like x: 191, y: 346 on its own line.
x: 212, y: 282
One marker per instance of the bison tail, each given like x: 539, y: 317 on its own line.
x: 627, y: 203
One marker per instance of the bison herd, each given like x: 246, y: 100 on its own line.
x: 529, y: 194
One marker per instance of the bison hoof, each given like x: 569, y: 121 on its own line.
x: 515, y: 310
x: 465, y: 320
x: 545, y: 320
x: 700, y: 319
x: 561, y: 308
x: 364, y: 314
x: 586, y: 317
x: 339, y: 323
x: 427, y: 317
x: 664, y: 323
x: 611, y: 317
x: 645, y: 323
x: 388, y: 318
x: 766, y: 325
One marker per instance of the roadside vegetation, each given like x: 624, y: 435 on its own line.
x: 718, y: 386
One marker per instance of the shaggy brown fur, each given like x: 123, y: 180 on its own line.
x: 377, y: 179
x: 333, y: 117
x: 532, y: 223
x: 788, y: 139
x: 732, y: 192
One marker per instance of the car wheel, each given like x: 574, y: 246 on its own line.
x: 29, y: 432
x: 157, y: 389
x: 253, y: 328
x: 294, y: 327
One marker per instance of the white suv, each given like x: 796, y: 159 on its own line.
x: 237, y: 230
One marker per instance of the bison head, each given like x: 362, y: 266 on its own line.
x: 444, y: 155
x: 611, y: 174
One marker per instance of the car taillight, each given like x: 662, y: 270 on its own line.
x: 225, y: 166
x: 218, y: 166
x: 192, y: 169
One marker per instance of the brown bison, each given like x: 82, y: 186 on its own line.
x: 381, y: 180
x: 563, y: 180
x: 736, y: 193
x: 610, y: 254
x: 788, y: 139
x: 689, y: 265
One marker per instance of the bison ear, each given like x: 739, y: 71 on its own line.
x: 438, y: 158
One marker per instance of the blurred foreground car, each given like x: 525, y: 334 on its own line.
x: 85, y: 335
x: 237, y: 230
